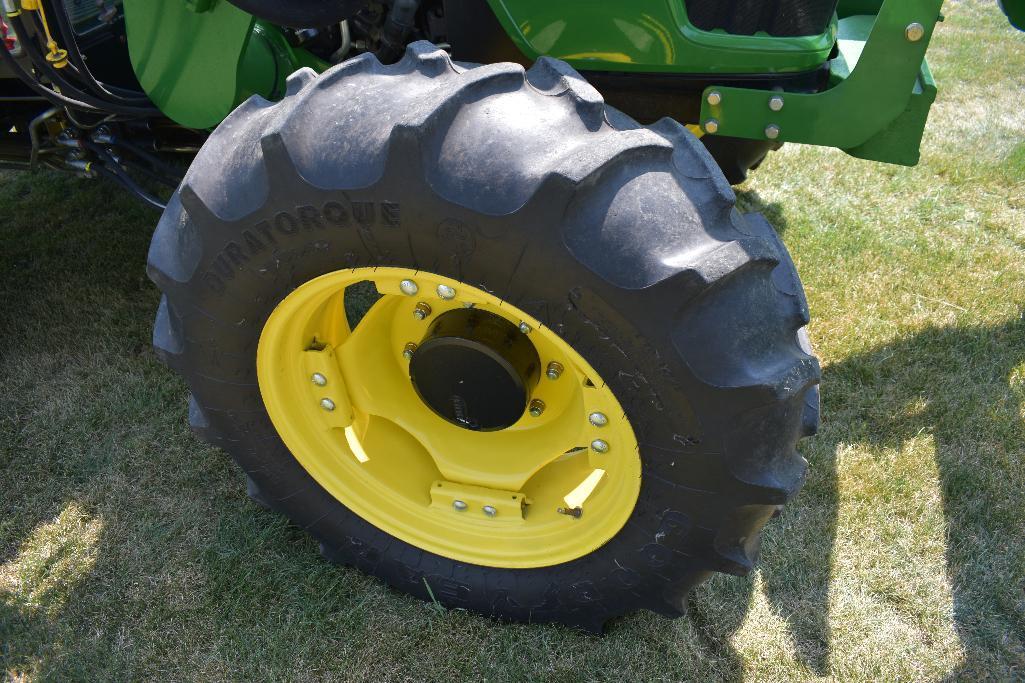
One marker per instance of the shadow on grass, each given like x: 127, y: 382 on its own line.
x: 749, y: 201
x: 954, y: 384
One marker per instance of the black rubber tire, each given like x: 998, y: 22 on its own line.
x: 622, y: 239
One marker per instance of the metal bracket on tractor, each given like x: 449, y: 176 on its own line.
x: 880, y: 95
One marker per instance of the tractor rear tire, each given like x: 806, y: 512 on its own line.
x: 621, y: 239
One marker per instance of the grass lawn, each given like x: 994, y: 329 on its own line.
x: 128, y: 549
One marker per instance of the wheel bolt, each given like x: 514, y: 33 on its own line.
x: 554, y: 370
x: 490, y: 510
x: 318, y: 379
x: 537, y: 406
x: 525, y: 328
x: 408, y: 287
x: 459, y: 505
x: 327, y: 404
x: 422, y: 310
x: 407, y: 351
x: 598, y: 419
x: 600, y: 446
x: 446, y: 292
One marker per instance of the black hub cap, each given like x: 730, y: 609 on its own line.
x: 475, y: 369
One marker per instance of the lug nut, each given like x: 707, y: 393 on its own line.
x: 600, y: 446
x: 711, y: 126
x: 598, y: 419
x: 327, y: 404
x: 772, y: 131
x: 914, y: 32
x: 714, y: 98
x: 554, y: 370
x: 490, y: 510
x: 446, y: 292
x: 459, y: 505
x: 422, y: 310
x: 407, y: 351
x: 525, y: 328
x: 537, y: 406
x: 776, y: 102
x: 408, y: 287
x: 318, y: 379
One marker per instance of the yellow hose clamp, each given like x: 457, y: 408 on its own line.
x: 58, y: 57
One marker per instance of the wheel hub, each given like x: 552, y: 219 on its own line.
x: 475, y: 369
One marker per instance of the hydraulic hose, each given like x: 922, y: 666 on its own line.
x: 48, y: 93
x: 73, y: 91
x: 81, y: 69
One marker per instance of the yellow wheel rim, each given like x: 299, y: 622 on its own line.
x: 547, y: 489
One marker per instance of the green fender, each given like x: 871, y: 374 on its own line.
x: 198, y: 59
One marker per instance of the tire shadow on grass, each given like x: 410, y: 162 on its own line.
x: 963, y: 388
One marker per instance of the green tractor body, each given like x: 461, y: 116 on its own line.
x: 463, y: 286
x: 198, y: 61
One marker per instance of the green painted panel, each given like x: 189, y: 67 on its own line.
x: 187, y: 56
x: 880, y: 95
x: 198, y: 59
x: 649, y: 36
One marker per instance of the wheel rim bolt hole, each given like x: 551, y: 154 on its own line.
x: 422, y: 310
x: 318, y: 379
x: 536, y: 408
x: 554, y: 370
